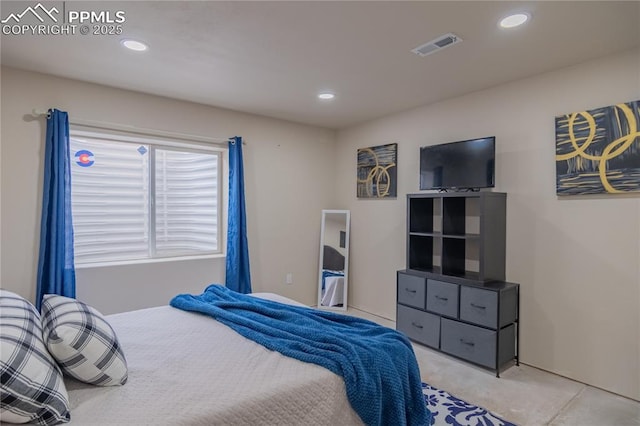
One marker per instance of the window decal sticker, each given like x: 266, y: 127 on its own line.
x: 84, y: 158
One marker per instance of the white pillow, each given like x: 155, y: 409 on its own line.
x: 82, y: 341
x: 32, y: 388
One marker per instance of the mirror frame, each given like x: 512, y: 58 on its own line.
x: 347, y: 214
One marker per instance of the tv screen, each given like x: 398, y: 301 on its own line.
x: 458, y: 165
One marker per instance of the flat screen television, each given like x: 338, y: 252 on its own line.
x: 459, y: 165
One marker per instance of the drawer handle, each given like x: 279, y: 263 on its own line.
x: 465, y: 342
x: 417, y: 325
x: 478, y: 306
x: 444, y: 299
x: 410, y: 291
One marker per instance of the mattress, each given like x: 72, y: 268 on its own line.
x: 188, y: 369
x: 333, y: 294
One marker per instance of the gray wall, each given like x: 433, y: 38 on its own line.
x: 287, y: 178
x: 576, y: 258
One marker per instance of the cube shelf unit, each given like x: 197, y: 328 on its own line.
x: 457, y: 234
x: 452, y: 296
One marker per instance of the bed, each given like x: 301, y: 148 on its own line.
x: 189, y: 369
x: 332, y: 289
x: 332, y: 286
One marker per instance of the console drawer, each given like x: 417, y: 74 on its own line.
x: 479, y: 306
x: 442, y: 297
x: 411, y: 290
x: 418, y: 325
x: 477, y: 344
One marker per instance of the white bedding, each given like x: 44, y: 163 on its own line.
x: 333, y: 291
x: 188, y: 369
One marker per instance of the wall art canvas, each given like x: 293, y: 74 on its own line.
x: 377, y: 171
x: 598, y: 151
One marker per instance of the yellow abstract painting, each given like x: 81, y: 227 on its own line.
x: 598, y: 151
x: 377, y: 171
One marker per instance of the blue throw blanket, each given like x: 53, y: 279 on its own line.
x: 378, y: 365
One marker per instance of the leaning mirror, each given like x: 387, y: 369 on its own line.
x: 334, y: 260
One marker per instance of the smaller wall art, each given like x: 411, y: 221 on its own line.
x: 377, y: 171
x: 598, y: 151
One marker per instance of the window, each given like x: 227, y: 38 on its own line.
x: 136, y: 198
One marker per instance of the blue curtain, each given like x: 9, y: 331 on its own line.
x: 56, y: 273
x: 238, y: 276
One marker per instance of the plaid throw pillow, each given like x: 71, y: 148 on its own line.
x: 32, y: 386
x: 82, y: 341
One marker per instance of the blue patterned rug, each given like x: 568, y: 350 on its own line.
x: 446, y: 409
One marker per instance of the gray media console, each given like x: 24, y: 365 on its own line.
x: 452, y: 297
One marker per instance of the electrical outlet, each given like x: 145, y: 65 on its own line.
x: 289, y: 278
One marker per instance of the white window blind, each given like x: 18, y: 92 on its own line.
x: 134, y: 201
x: 186, y: 202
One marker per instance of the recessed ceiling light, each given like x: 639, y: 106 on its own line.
x: 326, y: 95
x: 514, y: 20
x: 135, y: 45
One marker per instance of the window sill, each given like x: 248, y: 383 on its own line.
x: 147, y: 261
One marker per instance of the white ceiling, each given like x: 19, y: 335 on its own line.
x: 272, y: 58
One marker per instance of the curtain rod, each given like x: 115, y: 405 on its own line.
x: 138, y: 130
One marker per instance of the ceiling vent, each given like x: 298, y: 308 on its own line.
x: 437, y: 44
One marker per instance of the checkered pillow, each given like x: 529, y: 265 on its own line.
x: 82, y: 341
x: 32, y: 386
